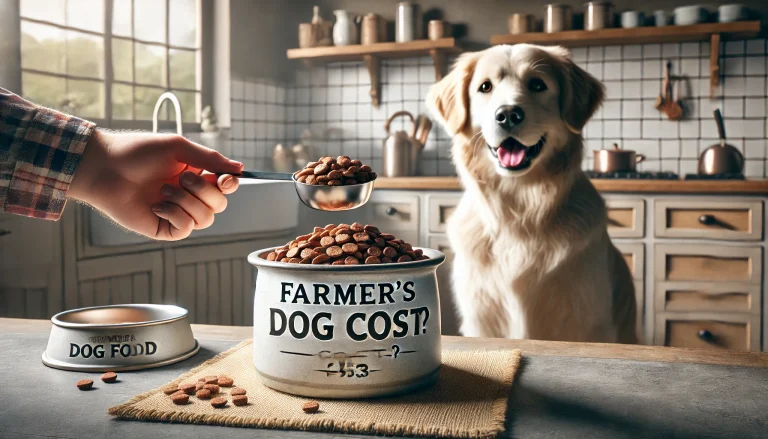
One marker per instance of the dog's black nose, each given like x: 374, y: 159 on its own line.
x: 508, y: 116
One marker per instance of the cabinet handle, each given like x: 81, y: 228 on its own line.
x: 706, y: 335
x: 4, y: 232
x: 391, y: 211
x: 708, y: 220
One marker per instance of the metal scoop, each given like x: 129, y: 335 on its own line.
x: 330, y: 198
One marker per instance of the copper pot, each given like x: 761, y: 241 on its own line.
x: 615, y: 160
x: 721, y: 158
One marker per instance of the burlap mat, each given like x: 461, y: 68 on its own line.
x: 469, y: 400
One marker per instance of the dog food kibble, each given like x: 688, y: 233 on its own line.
x: 203, y: 394
x: 339, y: 171
x: 346, y: 244
x: 200, y: 384
x: 170, y: 390
x: 219, y: 402
x: 311, y: 407
x: 213, y: 379
x: 226, y: 381
x: 237, y: 391
x: 187, y: 388
x: 180, y: 398
x: 212, y: 387
x: 85, y: 384
x: 109, y: 377
x: 240, y: 400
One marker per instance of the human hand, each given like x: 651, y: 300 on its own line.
x: 158, y: 185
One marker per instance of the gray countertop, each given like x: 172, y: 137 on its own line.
x: 553, y: 397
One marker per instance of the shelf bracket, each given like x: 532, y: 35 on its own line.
x: 373, y: 64
x: 438, y: 58
x: 714, y: 64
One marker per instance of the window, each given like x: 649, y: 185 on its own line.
x: 109, y: 60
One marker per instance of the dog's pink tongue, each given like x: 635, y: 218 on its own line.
x: 510, y: 159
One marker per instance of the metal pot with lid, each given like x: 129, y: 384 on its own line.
x: 721, y: 158
x: 615, y: 160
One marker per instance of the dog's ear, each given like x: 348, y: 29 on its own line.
x: 580, y: 93
x: 448, y: 100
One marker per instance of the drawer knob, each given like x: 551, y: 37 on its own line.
x: 391, y: 211
x: 708, y: 220
x: 4, y: 232
x: 706, y: 335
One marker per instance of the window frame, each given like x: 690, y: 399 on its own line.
x: 204, y: 77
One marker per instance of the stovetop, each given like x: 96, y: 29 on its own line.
x: 659, y: 176
x: 633, y: 175
x: 714, y: 177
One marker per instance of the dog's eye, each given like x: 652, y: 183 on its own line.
x: 536, y: 85
x: 485, y: 87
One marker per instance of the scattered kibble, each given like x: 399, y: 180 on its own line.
x: 226, y: 382
x: 219, y: 402
x: 240, y: 400
x: 311, y: 407
x: 85, y: 384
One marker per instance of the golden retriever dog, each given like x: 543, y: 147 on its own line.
x: 533, y: 257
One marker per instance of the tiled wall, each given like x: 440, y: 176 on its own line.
x: 333, y: 102
x: 258, y: 110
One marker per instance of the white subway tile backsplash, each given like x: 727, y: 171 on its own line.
x: 756, y: 47
x: 338, y: 105
x: 754, y: 168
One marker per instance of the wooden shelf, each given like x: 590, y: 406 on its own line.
x: 372, y: 54
x: 715, y: 33
x: 639, y: 35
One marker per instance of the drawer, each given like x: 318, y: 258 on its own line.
x: 708, y: 263
x: 710, y: 219
x: 626, y: 218
x: 707, y: 297
x: 440, y: 209
x: 634, y: 256
x: 396, y: 212
x: 734, y: 332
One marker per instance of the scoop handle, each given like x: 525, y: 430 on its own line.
x: 259, y: 175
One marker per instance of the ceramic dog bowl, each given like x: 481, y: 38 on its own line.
x: 349, y: 331
x: 119, y: 337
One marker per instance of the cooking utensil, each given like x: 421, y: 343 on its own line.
x: 675, y: 108
x: 729, y: 13
x: 688, y: 15
x: 423, y: 127
x: 119, y: 337
x: 721, y: 158
x: 599, y: 15
x: 664, y: 103
x: 408, y: 22
x: 401, y: 150
x: 520, y: 23
x: 615, y: 160
x: 329, y: 198
x: 342, y: 343
x: 371, y: 29
x: 345, y: 29
x: 557, y: 18
x: 437, y: 29
x: 630, y: 19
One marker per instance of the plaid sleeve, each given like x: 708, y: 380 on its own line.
x: 39, y: 152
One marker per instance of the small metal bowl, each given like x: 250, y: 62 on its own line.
x: 334, y: 198
x: 119, y: 337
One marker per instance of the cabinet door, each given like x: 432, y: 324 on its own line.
x: 396, y: 213
x: 214, y: 283
x: 134, y: 278
x: 710, y: 219
x: 441, y: 207
x: 735, y: 332
x: 711, y: 263
x: 626, y: 218
x: 449, y: 318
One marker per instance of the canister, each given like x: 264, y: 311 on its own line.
x: 557, y: 18
x: 408, y: 26
x: 598, y: 15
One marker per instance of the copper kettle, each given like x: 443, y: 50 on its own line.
x: 721, y: 158
x: 401, y: 151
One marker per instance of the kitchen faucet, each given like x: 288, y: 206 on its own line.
x: 176, y: 106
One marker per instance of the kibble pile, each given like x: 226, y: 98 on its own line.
x: 340, y: 171
x: 346, y: 244
x: 208, y: 388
